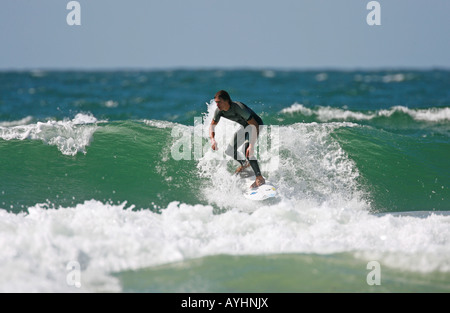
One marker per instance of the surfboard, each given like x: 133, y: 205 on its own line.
x: 262, y: 192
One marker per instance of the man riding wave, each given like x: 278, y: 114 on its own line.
x: 240, y: 113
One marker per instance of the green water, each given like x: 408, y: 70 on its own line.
x: 285, y: 273
x: 88, y: 175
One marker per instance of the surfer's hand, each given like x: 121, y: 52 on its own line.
x: 213, y: 144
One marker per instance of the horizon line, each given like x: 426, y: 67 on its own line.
x: 226, y: 68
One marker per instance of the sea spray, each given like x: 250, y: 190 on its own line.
x: 69, y: 136
x: 106, y: 238
x: 309, y: 163
x: 362, y: 173
x: 327, y: 113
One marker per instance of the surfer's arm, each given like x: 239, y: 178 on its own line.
x: 253, y: 122
x: 212, y: 134
x: 254, y: 134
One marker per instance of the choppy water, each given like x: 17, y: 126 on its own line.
x: 88, y: 175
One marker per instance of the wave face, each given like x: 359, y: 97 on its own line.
x: 89, y: 176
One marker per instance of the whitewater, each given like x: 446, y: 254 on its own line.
x: 321, y: 210
x: 92, y: 199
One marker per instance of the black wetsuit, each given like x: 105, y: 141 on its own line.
x: 240, y: 113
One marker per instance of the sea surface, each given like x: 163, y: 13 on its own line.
x: 108, y: 182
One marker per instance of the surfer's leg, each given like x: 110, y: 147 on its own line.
x: 259, y: 178
x: 255, y: 166
x: 232, y: 151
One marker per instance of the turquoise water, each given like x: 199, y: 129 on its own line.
x: 88, y: 175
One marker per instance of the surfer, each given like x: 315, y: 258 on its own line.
x: 242, y: 114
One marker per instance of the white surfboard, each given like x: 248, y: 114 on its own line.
x: 262, y: 192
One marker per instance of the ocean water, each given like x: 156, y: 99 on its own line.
x: 108, y: 183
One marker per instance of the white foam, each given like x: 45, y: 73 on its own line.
x: 70, y: 136
x: 111, y: 104
x: 104, y: 238
x: 430, y: 115
x: 303, y: 162
x: 387, y: 78
x: 321, y: 211
x: 162, y: 124
x: 297, y: 107
x: 268, y: 74
x: 23, y: 121
x: 325, y: 114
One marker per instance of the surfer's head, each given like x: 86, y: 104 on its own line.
x: 223, y: 100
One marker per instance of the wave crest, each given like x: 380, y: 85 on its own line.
x: 69, y: 136
x: 326, y: 113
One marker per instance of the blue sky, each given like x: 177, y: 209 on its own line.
x: 288, y: 34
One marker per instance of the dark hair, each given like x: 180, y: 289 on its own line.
x: 222, y: 94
